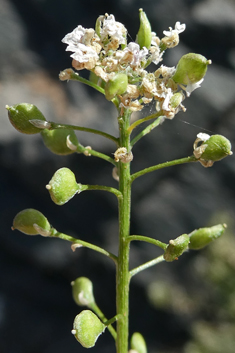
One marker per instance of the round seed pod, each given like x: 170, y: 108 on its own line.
x: 218, y: 147
x: 63, y: 186
x: 138, y: 343
x: 191, y: 68
x: 116, y: 86
x: 144, y: 35
x: 25, y: 220
x: 201, y: 237
x: 176, y: 99
x: 82, y: 290
x: 20, y: 114
x: 56, y: 140
x: 87, y: 327
x: 176, y: 248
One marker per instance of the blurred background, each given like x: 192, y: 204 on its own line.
x: 182, y: 307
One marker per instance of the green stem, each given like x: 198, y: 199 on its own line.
x: 86, y: 129
x: 75, y: 241
x: 103, y: 188
x: 163, y: 165
x: 122, y: 280
x: 146, y: 265
x: 147, y: 130
x: 147, y: 240
x: 89, y: 151
x: 107, y: 322
x: 141, y: 121
x: 75, y: 77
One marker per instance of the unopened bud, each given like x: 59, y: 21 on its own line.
x: 31, y: 222
x: 63, y: 186
x: 21, y: 115
x: 201, y: 237
x: 116, y: 86
x: 176, y: 248
x: 56, y: 140
x: 190, y: 69
x: 138, y: 343
x: 82, y: 290
x: 144, y: 35
x: 87, y: 327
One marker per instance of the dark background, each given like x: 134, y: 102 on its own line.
x: 169, y: 303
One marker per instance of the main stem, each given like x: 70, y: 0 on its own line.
x: 122, y: 280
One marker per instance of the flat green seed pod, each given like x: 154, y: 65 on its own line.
x: 190, y: 69
x: 138, y: 343
x: 56, y: 140
x: 87, y: 327
x: 116, y: 86
x: 24, y: 221
x: 201, y: 237
x: 176, y: 247
x: 20, y: 114
x: 82, y: 290
x: 218, y: 147
x: 144, y: 35
x: 63, y: 186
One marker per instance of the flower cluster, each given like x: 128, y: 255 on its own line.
x: 105, y: 52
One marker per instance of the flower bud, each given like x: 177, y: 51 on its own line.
x: 29, y: 221
x: 138, y: 343
x: 87, y: 327
x: 217, y: 148
x: 116, y: 86
x: 63, y: 186
x: 56, y: 140
x: 201, y: 237
x: 82, y: 290
x: 20, y: 116
x: 144, y: 35
x: 176, y: 248
x: 190, y: 69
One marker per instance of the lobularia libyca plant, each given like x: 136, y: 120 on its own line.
x: 119, y: 71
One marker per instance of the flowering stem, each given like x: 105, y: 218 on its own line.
x: 122, y: 276
x: 86, y: 129
x: 75, y: 77
x: 104, y: 188
x: 140, y: 121
x: 147, y: 130
x: 147, y: 240
x: 78, y: 242
x: 89, y: 151
x: 163, y: 165
x: 148, y: 264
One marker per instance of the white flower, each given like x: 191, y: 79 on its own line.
x: 192, y: 86
x: 84, y: 54
x: 137, y: 55
x: 165, y: 105
x: 113, y: 29
x: 203, y: 137
x: 179, y: 28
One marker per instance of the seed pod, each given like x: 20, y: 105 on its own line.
x: 144, y: 35
x: 63, y: 186
x: 176, y: 99
x: 218, y: 147
x: 116, y: 86
x: 190, y: 69
x: 82, y: 290
x: 176, y: 248
x: 138, y: 343
x: 87, y: 327
x: 55, y: 140
x: 201, y: 237
x: 20, y: 114
x: 25, y: 220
